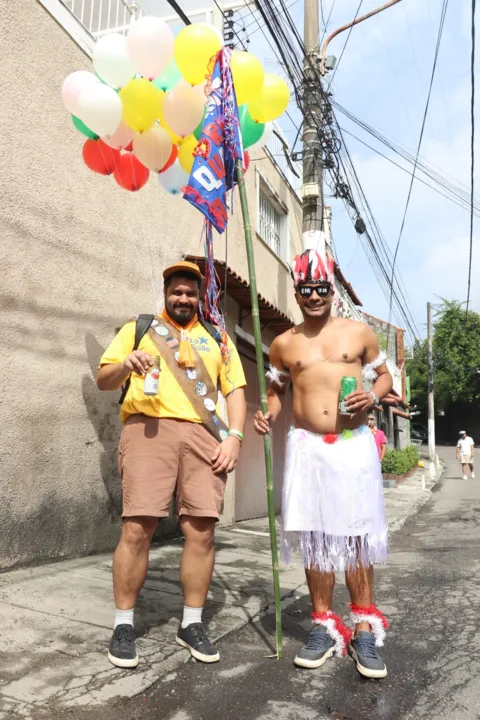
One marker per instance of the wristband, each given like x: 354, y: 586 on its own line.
x: 375, y: 398
x: 237, y: 434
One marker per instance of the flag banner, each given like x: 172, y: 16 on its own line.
x: 219, y: 147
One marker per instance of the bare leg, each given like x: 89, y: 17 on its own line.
x: 360, y: 586
x: 130, y: 561
x: 471, y: 467
x: 321, y: 586
x: 464, y: 468
x: 198, y: 559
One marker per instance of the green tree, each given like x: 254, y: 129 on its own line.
x: 456, y: 348
x: 417, y: 370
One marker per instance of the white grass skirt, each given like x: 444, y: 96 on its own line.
x: 333, y: 509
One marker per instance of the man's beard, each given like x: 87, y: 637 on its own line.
x: 181, y: 318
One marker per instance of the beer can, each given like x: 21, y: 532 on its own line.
x: 152, y: 377
x: 347, y: 386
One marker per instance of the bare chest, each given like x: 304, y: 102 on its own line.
x: 324, y: 357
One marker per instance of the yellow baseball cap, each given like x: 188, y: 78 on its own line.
x: 182, y: 266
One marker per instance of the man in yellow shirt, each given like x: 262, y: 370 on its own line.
x: 173, y: 443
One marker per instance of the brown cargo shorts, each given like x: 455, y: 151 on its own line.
x: 161, y: 458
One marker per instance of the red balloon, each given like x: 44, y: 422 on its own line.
x: 129, y: 173
x: 246, y: 160
x: 99, y: 157
x: 171, y: 159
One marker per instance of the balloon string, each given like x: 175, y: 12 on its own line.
x: 150, y: 267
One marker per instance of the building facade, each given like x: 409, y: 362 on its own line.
x: 80, y: 257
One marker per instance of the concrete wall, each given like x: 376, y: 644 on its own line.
x: 80, y: 256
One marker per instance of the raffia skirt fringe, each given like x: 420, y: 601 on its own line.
x: 333, y: 509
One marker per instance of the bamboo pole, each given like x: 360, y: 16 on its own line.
x: 263, y: 401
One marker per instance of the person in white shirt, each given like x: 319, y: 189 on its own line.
x: 466, y: 453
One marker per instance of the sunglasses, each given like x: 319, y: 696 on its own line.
x: 307, y: 291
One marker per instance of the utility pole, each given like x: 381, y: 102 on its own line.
x: 312, y: 187
x: 431, y: 404
x: 314, y: 109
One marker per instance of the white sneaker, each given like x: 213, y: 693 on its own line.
x: 473, y: 476
x: 465, y: 477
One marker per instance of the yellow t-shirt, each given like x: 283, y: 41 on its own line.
x: 171, y: 401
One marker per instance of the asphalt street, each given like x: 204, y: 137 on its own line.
x: 430, y: 592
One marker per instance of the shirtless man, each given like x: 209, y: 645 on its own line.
x: 332, y: 506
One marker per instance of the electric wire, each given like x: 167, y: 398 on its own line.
x: 427, y: 104
x: 280, y: 40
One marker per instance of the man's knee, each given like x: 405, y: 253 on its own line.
x: 137, y: 532
x: 200, y: 530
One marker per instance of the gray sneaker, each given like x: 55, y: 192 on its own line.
x: 318, y: 649
x: 363, y: 650
x: 194, y: 637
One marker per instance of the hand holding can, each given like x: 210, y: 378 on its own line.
x: 152, y: 377
x: 347, y: 386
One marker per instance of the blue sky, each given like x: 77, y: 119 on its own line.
x: 383, y: 78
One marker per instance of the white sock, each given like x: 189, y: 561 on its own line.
x: 123, y: 617
x: 191, y: 615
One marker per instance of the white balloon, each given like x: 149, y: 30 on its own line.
x: 73, y: 85
x: 265, y: 139
x: 100, y: 108
x: 173, y: 179
x: 150, y: 45
x: 267, y: 133
x: 112, y: 61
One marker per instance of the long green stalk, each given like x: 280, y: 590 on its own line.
x: 263, y: 401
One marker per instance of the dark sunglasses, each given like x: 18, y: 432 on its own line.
x: 307, y: 291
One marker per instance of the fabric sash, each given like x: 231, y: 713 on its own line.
x: 168, y: 345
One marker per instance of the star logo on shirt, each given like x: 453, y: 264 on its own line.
x: 203, y: 341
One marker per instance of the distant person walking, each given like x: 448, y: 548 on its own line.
x: 378, y: 436
x: 466, y: 453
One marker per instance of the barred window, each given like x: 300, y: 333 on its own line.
x: 270, y: 224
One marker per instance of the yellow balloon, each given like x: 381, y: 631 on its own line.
x: 142, y: 104
x: 185, y: 153
x: 195, y: 46
x: 248, y: 75
x: 272, y: 101
x: 176, y: 139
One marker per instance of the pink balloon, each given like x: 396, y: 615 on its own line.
x: 153, y: 147
x: 200, y: 89
x: 150, y: 45
x: 183, y: 109
x: 73, y: 86
x: 122, y: 137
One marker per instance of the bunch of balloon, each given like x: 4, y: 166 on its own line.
x: 142, y: 107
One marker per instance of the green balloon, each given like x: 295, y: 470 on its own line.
x: 251, y: 130
x: 169, y: 78
x: 81, y: 127
x: 198, y: 130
